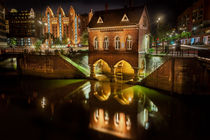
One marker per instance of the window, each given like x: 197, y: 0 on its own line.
x: 100, y: 20
x: 60, y: 27
x: 125, y: 18
x: 96, y: 43
x: 129, y: 42
x: 75, y: 28
x: 48, y: 22
x: 117, y: 43
x: 106, y: 43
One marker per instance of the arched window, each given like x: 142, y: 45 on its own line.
x: 117, y: 43
x: 129, y: 42
x: 106, y: 43
x: 96, y: 43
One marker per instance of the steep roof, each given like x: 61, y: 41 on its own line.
x: 114, y: 17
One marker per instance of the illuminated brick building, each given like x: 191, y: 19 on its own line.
x: 3, y: 38
x: 22, y: 27
x: 117, y: 38
x: 62, y: 24
x: 195, y: 17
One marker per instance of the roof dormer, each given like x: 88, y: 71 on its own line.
x: 125, y: 18
x: 100, y: 20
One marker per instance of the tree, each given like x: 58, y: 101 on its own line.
x: 38, y: 44
x: 57, y: 41
x: 13, y: 42
x: 84, y: 39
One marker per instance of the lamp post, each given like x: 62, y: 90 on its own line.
x: 158, y: 24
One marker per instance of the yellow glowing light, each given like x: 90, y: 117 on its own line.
x: 43, y: 102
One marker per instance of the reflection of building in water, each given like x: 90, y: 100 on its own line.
x: 116, y: 38
x: 102, y: 91
x: 117, y: 119
x: 117, y: 124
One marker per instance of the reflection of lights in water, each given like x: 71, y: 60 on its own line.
x: 43, y: 102
x: 117, y: 119
x: 96, y: 115
x: 106, y: 117
x: 153, y: 107
x: 128, y: 122
x: 86, y: 91
x: 143, y: 119
x: 85, y: 101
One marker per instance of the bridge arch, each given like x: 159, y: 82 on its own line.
x: 123, y: 70
x: 101, y: 68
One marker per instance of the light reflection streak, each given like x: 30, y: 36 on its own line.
x: 43, y: 102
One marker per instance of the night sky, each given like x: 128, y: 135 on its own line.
x: 167, y: 9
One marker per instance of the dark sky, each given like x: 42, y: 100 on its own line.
x: 167, y: 9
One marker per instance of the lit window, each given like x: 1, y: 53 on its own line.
x: 100, y: 20
x: 125, y: 18
x: 75, y: 21
x: 106, y: 43
x: 60, y: 27
x: 48, y: 20
x: 129, y: 42
x: 96, y: 43
x: 117, y: 43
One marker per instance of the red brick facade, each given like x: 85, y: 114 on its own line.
x: 139, y: 39
x: 119, y: 36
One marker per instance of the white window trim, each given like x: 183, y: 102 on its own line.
x: 129, y: 42
x: 106, y: 43
x: 117, y: 45
x: 95, y: 43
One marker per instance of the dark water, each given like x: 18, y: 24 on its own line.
x: 34, y: 108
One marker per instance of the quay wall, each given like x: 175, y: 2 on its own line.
x: 185, y: 76
x: 47, y: 66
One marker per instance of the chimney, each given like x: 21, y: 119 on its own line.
x: 130, y: 3
x: 106, y: 7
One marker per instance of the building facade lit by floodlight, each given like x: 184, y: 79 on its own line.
x: 62, y: 25
x: 3, y: 38
x: 117, y: 38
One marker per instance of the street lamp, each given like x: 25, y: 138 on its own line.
x: 158, y: 24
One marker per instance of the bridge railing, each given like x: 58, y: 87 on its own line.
x: 50, y: 51
x: 178, y: 53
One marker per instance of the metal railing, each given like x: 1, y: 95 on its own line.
x: 178, y: 53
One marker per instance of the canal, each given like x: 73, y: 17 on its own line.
x: 36, y: 108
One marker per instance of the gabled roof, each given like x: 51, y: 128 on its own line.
x: 113, y: 17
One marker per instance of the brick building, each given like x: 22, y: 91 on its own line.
x: 116, y: 38
x: 196, y: 19
x: 62, y: 24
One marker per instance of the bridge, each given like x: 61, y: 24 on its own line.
x: 50, y: 64
x: 172, y: 71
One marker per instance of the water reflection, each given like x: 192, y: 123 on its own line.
x: 43, y: 102
x: 117, y: 124
x: 113, y: 116
x: 119, y: 110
